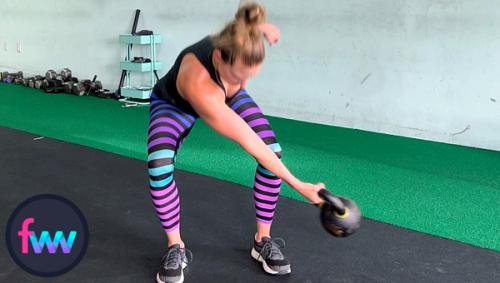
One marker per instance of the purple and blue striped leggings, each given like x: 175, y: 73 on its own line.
x: 168, y: 126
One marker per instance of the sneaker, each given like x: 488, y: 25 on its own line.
x: 268, y: 252
x: 172, y: 264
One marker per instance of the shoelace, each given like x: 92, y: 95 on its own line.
x: 173, y: 256
x: 272, y: 248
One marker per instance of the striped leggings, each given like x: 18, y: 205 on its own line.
x: 168, y: 126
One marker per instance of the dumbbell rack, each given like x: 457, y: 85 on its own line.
x: 139, y: 91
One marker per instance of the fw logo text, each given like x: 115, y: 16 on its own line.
x: 44, y: 239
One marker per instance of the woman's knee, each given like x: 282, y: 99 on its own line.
x: 160, y: 167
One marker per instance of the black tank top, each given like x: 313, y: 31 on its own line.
x: 166, y: 87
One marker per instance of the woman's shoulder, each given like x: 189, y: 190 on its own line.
x: 194, y: 79
x: 192, y: 69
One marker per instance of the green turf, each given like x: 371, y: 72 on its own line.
x: 445, y: 190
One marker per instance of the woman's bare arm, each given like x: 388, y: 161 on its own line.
x: 208, y: 100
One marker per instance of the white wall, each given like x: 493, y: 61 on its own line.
x: 420, y: 68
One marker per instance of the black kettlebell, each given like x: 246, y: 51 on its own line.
x: 339, y: 216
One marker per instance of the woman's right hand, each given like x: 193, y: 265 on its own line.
x: 271, y: 32
x: 310, y: 191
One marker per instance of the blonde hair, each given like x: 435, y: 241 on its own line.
x: 242, y: 38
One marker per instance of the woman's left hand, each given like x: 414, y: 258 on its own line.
x: 271, y: 32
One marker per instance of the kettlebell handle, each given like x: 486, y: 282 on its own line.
x: 332, y: 200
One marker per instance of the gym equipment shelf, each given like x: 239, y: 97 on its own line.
x: 139, y: 67
x: 142, y: 91
x: 140, y: 39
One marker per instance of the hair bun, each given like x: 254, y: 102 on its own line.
x: 251, y: 14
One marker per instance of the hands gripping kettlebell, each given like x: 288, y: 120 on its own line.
x: 339, y: 216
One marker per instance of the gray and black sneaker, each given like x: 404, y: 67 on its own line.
x: 172, y: 264
x: 268, y: 252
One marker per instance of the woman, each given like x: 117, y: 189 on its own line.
x: 207, y: 81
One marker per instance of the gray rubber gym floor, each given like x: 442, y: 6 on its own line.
x: 127, y: 241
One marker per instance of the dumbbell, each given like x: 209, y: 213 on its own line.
x: 18, y: 81
x: 51, y: 75
x: 339, y: 216
x: 45, y: 84
x: 52, y: 86
x: 66, y: 74
x: 11, y: 76
x: 8, y: 80
x: 57, y: 82
x: 35, y: 82
x: 25, y: 81
x: 81, y: 87
x: 95, y: 85
x: 68, y: 80
x: 87, y: 87
x: 68, y: 85
x: 31, y: 82
x: 39, y: 82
